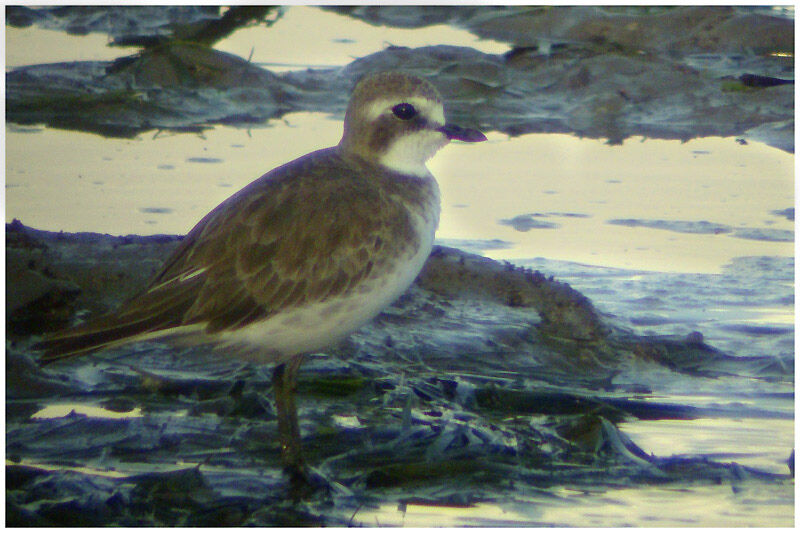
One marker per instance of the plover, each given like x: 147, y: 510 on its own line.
x: 303, y: 256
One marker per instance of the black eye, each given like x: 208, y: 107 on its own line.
x: 404, y: 111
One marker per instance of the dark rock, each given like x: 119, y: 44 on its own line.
x: 684, y: 29
x: 754, y: 80
x: 788, y: 213
x: 21, y: 16
x: 35, y: 302
x: 528, y: 222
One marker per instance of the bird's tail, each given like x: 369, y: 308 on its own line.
x: 104, y: 332
x: 144, y: 317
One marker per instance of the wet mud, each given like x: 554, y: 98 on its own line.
x: 485, y: 379
x: 706, y: 227
x: 667, y: 73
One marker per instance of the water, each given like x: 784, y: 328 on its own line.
x: 666, y: 273
x: 703, y: 506
x: 164, y: 184
x: 337, y: 40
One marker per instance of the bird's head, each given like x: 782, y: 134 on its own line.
x: 397, y: 120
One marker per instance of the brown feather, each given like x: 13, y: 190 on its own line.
x: 301, y: 233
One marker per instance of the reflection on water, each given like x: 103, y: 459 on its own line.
x: 662, y: 180
x: 34, y: 46
x: 333, y: 43
x: 78, y: 469
x: 80, y: 182
x: 663, y: 506
x: 417, y: 515
x: 722, y: 439
x: 91, y: 411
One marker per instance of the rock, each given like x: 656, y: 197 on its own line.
x: 35, y: 302
x: 51, y: 276
x: 528, y: 222
x: 481, y: 371
x: 683, y: 29
x: 191, y: 65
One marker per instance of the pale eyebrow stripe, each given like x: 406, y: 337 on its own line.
x: 431, y: 109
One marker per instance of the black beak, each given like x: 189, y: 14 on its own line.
x: 458, y: 133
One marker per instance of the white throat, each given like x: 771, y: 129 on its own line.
x: 408, y: 153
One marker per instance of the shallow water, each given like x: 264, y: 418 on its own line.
x: 698, y: 243
x: 333, y: 43
x: 164, y: 184
x: 703, y: 506
x: 747, y: 310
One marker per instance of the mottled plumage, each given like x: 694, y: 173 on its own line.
x: 304, y: 255
x: 250, y: 258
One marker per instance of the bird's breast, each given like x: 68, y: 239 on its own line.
x: 318, y: 324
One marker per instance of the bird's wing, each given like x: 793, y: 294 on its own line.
x: 279, y: 242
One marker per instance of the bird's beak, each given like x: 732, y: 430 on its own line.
x: 458, y: 133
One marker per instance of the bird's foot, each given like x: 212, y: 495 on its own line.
x: 305, y: 482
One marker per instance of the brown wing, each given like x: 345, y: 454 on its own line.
x: 281, y: 241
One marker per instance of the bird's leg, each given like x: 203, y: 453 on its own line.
x: 284, y: 383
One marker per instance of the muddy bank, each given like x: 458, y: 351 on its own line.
x: 673, y: 73
x: 675, y: 29
x: 484, y: 380
x: 144, y: 25
x: 703, y: 226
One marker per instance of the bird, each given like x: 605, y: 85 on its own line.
x: 303, y: 256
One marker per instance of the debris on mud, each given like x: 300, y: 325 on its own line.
x: 674, y: 74
x: 482, y: 377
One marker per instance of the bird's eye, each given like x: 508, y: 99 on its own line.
x: 404, y: 111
